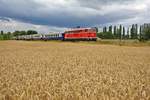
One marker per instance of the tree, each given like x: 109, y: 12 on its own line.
x: 31, y: 32
x: 120, y: 32
x: 2, y: 32
x: 1, y: 35
x: 9, y: 33
x: 110, y: 29
x: 108, y: 35
x: 128, y: 35
x: 147, y: 33
x: 144, y: 32
x: 96, y: 28
x: 23, y: 33
x: 115, y: 31
x: 123, y: 35
x: 104, y: 29
x: 100, y: 35
x: 140, y: 34
x: 105, y: 35
x: 134, y: 31
x: 16, y: 33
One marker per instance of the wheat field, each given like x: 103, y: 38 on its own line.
x: 73, y: 71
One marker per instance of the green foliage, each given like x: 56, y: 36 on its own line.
x: 128, y: 34
x: 105, y: 35
x: 96, y: 28
x: 31, y: 32
x: 1, y: 37
x: 110, y: 29
x: 123, y: 35
x: 16, y: 33
x: 147, y: 34
x: 23, y: 32
x: 6, y: 36
x: 134, y: 31
x: 118, y: 34
x: 2, y: 33
x: 140, y: 35
x: 144, y: 32
x: 9, y: 35
x: 105, y: 29
x: 115, y: 31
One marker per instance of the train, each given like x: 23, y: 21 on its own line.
x: 77, y: 34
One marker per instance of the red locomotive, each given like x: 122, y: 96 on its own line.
x: 81, y: 34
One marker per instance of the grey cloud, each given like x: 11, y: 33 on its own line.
x: 97, y: 4
x: 84, y: 13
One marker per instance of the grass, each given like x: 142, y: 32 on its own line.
x: 123, y: 42
x: 35, y: 70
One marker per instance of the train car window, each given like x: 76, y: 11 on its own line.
x: 70, y: 32
x: 74, y: 31
x: 92, y: 30
x: 79, y: 31
x: 86, y: 30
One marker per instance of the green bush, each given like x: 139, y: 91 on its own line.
x: 105, y: 35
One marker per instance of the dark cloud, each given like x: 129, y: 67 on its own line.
x: 4, y: 19
x: 83, y: 13
x: 97, y: 4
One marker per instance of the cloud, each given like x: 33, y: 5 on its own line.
x: 71, y: 13
x: 10, y: 25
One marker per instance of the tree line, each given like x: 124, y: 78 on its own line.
x: 141, y: 32
x: 10, y: 35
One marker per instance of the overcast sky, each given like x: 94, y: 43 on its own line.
x: 58, y: 15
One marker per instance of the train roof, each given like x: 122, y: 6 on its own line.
x: 77, y: 29
x: 74, y: 29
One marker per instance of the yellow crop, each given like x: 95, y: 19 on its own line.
x: 73, y: 71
